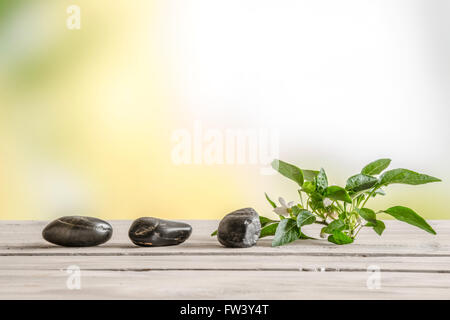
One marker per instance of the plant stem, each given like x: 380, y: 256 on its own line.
x: 370, y: 195
x: 301, y: 199
x: 361, y: 226
x: 322, y: 222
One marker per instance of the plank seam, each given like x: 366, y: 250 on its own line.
x: 328, y: 269
x: 268, y: 254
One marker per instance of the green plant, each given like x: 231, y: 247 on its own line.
x: 341, y: 211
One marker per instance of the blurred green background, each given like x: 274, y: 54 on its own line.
x: 87, y: 116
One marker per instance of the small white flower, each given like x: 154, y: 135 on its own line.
x: 327, y: 202
x: 283, y: 210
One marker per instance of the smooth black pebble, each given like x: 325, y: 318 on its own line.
x: 154, y: 232
x: 77, y: 231
x: 239, y: 229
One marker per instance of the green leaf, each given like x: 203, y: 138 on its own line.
x: 405, y: 176
x: 309, y: 187
x: 270, y: 201
x: 305, y: 217
x: 409, y: 216
x: 321, y: 181
x: 376, y: 166
x: 323, y: 232
x: 336, y: 225
x: 265, y: 221
x: 289, y: 171
x: 377, y: 225
x: 269, y: 230
x: 214, y: 233
x: 287, y: 232
x: 309, y: 175
x: 305, y: 237
x: 296, y: 210
x: 337, y: 193
x: 338, y: 237
x: 316, y: 201
x: 360, y: 182
x: 367, y: 214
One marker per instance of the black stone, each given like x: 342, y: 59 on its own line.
x: 154, y: 232
x: 76, y: 231
x: 239, y: 229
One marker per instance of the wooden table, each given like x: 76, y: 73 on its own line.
x: 412, y: 264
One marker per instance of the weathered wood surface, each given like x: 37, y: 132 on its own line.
x: 412, y: 263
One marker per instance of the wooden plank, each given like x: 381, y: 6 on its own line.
x: 231, y: 263
x: 42, y: 284
x: 399, y: 239
x: 413, y: 265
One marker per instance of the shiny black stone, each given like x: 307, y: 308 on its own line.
x: 77, y: 231
x: 239, y: 229
x: 154, y: 232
